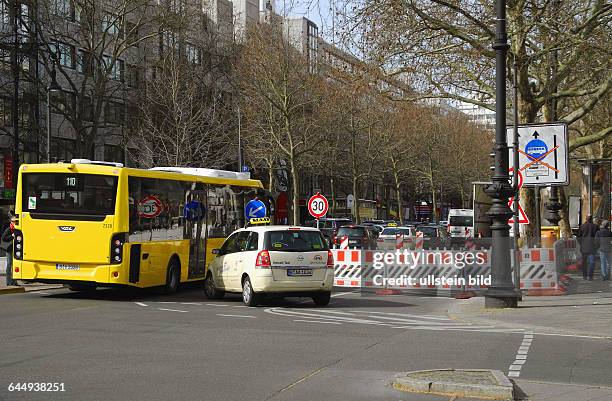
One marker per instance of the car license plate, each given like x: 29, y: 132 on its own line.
x: 61, y: 266
x: 299, y: 272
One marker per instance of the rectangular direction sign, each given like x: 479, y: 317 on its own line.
x: 543, y: 153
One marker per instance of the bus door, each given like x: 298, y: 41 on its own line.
x: 195, y: 230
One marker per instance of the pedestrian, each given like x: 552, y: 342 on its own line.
x: 7, y: 237
x: 604, y: 237
x: 588, y: 246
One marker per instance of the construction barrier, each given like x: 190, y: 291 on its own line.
x: 438, y: 269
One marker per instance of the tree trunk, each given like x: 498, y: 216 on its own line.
x: 399, y: 197
x: 564, y: 226
x: 332, y: 188
x: 295, y: 188
x: 356, y: 203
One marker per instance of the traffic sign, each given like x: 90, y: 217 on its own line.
x: 350, y: 201
x: 150, y: 207
x: 543, y: 153
x: 523, y: 219
x: 318, y: 206
x: 255, y: 209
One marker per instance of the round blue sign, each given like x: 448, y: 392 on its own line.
x: 536, y: 148
x: 255, y: 209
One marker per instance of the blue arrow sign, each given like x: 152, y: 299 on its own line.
x: 254, y: 209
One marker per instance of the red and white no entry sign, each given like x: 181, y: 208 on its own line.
x: 318, y: 206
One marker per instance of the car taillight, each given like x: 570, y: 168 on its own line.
x: 330, y: 260
x: 335, y: 239
x: 18, y: 245
x: 263, y: 259
x: 116, y: 248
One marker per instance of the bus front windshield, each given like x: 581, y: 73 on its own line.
x: 69, y: 194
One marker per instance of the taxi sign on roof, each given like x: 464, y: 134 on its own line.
x: 392, y: 225
x: 259, y: 220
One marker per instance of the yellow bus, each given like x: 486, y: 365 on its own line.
x: 87, y: 224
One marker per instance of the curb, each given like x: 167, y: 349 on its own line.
x: 11, y: 290
x: 503, y: 390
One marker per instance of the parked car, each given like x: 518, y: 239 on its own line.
x: 434, y: 236
x: 264, y: 261
x: 359, y: 236
x: 390, y: 232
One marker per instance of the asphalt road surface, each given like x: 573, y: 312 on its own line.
x: 142, y: 345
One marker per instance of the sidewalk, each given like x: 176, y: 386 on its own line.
x: 578, y: 314
x: 542, y: 391
x: 4, y: 289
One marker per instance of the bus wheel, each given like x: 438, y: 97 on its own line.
x: 81, y: 287
x: 209, y: 288
x: 249, y: 297
x: 173, y: 277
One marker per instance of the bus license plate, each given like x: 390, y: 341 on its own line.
x: 299, y: 272
x: 61, y: 266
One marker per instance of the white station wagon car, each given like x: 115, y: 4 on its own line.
x: 272, y: 260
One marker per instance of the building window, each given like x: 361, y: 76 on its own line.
x: 114, y: 113
x: 312, y: 42
x: 192, y: 53
x: 64, y: 54
x: 134, y: 75
x: 111, y: 24
x: 84, y: 62
x: 87, y: 108
x: 115, y: 68
x: 62, y: 8
x: 5, y: 12
x: 114, y: 153
x: 168, y: 41
x: 131, y: 33
x: 6, y: 112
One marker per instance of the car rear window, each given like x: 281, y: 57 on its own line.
x: 395, y: 231
x: 295, y: 241
x: 351, y: 232
x: 429, y: 231
x: 464, y: 221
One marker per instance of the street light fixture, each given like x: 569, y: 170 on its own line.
x: 53, y: 87
x: 501, y: 293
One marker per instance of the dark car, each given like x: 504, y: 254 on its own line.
x: 359, y: 236
x: 329, y: 226
x: 434, y: 236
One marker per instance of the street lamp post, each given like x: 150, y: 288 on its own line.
x: 501, y: 292
x: 53, y: 87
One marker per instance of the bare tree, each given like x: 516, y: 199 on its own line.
x: 280, y: 98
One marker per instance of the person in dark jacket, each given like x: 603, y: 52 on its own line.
x: 604, y: 238
x: 7, y: 236
x: 588, y: 247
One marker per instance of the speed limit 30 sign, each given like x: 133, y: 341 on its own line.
x: 318, y: 206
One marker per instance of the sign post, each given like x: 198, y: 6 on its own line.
x: 318, y: 206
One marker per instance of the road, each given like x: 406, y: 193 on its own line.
x: 137, y: 345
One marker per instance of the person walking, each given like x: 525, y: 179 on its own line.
x: 588, y: 246
x: 7, y: 237
x: 604, y: 239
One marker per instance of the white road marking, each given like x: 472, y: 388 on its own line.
x: 141, y: 304
x: 173, y: 310
x: 343, y: 293
x: 40, y: 292
x: 166, y: 302
x: 246, y: 316
x: 521, y: 355
x: 191, y: 303
x: 315, y: 321
x: 217, y: 305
